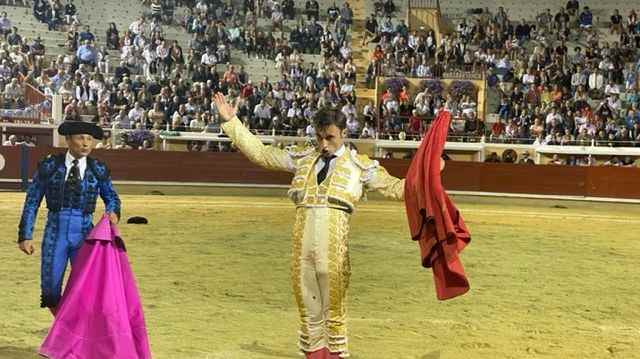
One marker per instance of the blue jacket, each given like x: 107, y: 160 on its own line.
x: 48, y: 182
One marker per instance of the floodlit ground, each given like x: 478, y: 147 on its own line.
x: 549, y: 279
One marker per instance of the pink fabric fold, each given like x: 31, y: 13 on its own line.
x: 100, y: 315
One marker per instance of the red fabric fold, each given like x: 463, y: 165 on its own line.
x: 434, y: 220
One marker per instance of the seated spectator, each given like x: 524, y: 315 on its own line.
x: 197, y: 124
x: 389, y: 7
x: 312, y: 9
x: 346, y: 14
x: 371, y: 31
x: 353, y: 126
x: 55, y: 15
x: 13, y: 94
x: 556, y: 160
x: 586, y: 18
x: 368, y: 131
x: 87, y: 35
x: 83, y: 91
x: 87, y: 54
x: 70, y: 15
x: 37, y: 48
x: 112, y: 36
x: 616, y: 22
x: 5, y: 25
x: 14, y: 39
x: 156, y: 10
x: 525, y: 160
x: 71, y: 111
x: 277, y: 17
x: 11, y: 141
x: 40, y: 10
x: 333, y: 12
x: 493, y: 158
x: 497, y: 130
x: 573, y: 6
x: 209, y: 59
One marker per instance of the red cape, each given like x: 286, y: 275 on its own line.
x: 434, y: 220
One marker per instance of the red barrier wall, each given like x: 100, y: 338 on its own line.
x: 462, y: 176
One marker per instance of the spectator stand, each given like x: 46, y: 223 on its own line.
x: 27, y: 117
x: 426, y: 15
x: 451, y: 86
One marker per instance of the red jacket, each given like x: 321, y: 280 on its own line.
x: 434, y: 220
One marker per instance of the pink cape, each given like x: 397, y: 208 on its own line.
x: 100, y: 315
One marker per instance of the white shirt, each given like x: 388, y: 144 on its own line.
x: 82, y: 165
x: 208, y: 59
x: 332, y: 165
x: 136, y: 114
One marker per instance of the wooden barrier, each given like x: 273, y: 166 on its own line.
x: 234, y: 168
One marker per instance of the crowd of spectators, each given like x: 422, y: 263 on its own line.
x: 557, y: 80
x: 143, y: 80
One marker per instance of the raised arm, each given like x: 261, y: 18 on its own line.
x: 268, y: 157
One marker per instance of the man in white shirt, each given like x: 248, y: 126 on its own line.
x: 5, y: 24
x: 262, y: 111
x: 122, y: 120
x: 12, y: 141
x: 349, y: 109
x: 579, y: 78
x: 328, y: 180
x: 209, y: 58
x: 596, y: 81
x: 553, y: 118
x: 137, y: 27
x: 71, y: 182
x: 136, y: 113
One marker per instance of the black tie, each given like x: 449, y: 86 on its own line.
x: 74, y: 174
x: 323, y: 172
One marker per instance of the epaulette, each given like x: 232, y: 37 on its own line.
x: 98, y: 167
x: 299, y: 151
x: 48, y: 165
x: 363, y: 161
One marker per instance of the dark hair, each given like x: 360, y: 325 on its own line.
x: 326, y: 117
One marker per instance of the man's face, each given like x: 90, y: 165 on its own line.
x: 80, y: 145
x: 330, y: 139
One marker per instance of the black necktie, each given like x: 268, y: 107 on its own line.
x: 74, y: 173
x: 323, y: 172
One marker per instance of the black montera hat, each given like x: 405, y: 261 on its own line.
x: 68, y: 128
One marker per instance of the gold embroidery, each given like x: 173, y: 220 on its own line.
x: 296, y: 273
x: 387, y: 185
x: 339, y: 273
x: 268, y: 157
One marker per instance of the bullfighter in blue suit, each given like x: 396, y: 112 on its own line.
x: 71, y: 183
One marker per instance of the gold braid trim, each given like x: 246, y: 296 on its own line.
x: 269, y: 157
x: 296, y: 272
x: 339, y: 272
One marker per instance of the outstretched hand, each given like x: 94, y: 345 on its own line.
x: 225, y: 109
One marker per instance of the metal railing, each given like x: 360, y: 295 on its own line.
x: 424, y: 4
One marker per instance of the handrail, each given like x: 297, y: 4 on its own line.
x: 424, y: 4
